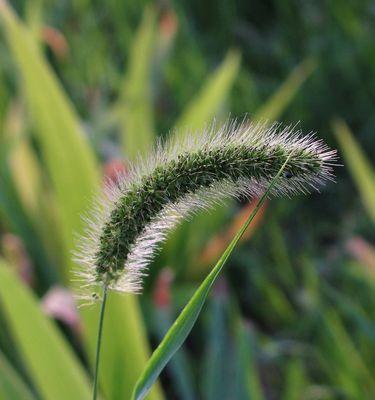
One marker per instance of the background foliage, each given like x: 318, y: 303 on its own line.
x: 84, y: 87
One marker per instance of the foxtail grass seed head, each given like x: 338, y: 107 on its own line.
x: 133, y: 217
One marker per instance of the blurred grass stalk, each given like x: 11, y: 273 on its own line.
x: 359, y: 166
x: 135, y: 108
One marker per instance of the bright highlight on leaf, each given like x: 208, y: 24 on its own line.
x: 234, y: 160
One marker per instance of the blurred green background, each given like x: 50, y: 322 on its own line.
x: 87, y: 85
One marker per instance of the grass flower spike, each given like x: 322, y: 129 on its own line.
x: 236, y: 160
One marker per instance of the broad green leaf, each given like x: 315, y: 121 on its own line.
x: 206, y: 104
x: 359, y: 166
x: 278, y: 102
x: 34, y: 17
x: 37, y: 200
x: 49, y: 360
x: 20, y: 159
x: 186, y: 320
x: 12, y: 386
x: 136, y: 108
x: 75, y: 176
x: 70, y: 162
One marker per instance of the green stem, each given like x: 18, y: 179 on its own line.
x: 99, y: 342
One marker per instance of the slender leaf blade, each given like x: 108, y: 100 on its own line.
x: 248, y: 370
x: 278, y: 102
x: 295, y: 380
x: 71, y: 163
x: 124, y: 348
x: 72, y: 167
x: 177, y: 334
x: 359, y: 166
x: 212, y: 95
x: 135, y: 108
x: 12, y: 386
x: 50, y: 361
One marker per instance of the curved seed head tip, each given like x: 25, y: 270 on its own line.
x: 133, y: 216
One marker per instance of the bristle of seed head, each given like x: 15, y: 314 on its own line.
x: 134, y: 215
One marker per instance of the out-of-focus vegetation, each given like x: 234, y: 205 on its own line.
x: 84, y: 87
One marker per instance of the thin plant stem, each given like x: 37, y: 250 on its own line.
x: 99, y: 342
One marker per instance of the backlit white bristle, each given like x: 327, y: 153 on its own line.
x: 260, y: 138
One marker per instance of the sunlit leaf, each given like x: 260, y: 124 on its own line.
x: 50, y: 362
x: 205, y: 106
x: 74, y: 173
x: 278, y: 102
x: 136, y: 108
x: 70, y: 162
x: 12, y: 386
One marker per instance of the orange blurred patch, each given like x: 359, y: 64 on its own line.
x: 15, y: 253
x: 363, y: 252
x: 216, y: 246
x: 56, y: 41
x: 168, y: 24
x: 162, y: 292
x: 113, y: 169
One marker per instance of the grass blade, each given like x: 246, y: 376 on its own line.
x: 205, y: 106
x: 125, y: 350
x: 64, y: 146
x: 12, y: 386
x: 36, y: 197
x: 50, y: 362
x: 16, y: 217
x: 248, y: 369
x: 214, y: 383
x: 345, y: 365
x: 359, y: 166
x: 272, y: 109
x: 177, y: 334
x: 136, y: 108
x: 180, y: 367
x: 72, y: 167
x: 295, y: 380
